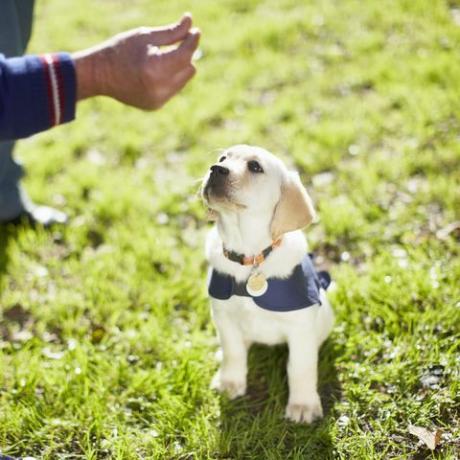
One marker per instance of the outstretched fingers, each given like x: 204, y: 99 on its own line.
x: 182, y: 55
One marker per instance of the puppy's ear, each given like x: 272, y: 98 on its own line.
x: 294, y: 209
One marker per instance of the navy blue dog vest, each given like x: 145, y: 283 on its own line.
x: 299, y: 290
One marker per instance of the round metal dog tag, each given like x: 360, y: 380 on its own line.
x: 257, y: 284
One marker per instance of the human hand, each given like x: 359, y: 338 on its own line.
x: 131, y: 68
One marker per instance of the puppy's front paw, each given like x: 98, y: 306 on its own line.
x: 233, y: 387
x: 304, y: 412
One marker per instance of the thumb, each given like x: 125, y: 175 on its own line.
x: 173, y: 33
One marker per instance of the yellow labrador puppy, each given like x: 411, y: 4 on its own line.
x: 262, y: 283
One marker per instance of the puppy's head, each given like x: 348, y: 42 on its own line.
x: 252, y: 179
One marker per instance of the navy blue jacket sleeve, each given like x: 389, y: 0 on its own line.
x: 36, y: 93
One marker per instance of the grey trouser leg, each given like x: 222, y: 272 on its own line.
x: 15, y: 29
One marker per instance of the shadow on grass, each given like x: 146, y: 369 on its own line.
x: 7, y: 233
x: 253, y: 427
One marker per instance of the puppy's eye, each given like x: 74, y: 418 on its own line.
x: 255, y: 167
x: 221, y: 159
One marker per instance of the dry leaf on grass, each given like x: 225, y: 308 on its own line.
x: 430, y: 438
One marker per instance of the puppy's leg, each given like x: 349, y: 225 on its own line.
x: 304, y: 404
x: 325, y: 319
x: 231, y: 377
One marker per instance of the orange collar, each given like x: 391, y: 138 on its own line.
x: 252, y: 260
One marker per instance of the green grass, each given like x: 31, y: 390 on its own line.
x: 107, y: 347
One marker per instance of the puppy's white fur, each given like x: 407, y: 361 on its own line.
x: 245, y: 214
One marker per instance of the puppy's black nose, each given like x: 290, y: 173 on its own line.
x: 222, y: 170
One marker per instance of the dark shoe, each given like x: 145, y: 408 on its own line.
x: 40, y: 215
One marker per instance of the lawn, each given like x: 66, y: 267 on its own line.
x: 106, y: 343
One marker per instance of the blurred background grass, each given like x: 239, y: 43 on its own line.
x: 107, y: 348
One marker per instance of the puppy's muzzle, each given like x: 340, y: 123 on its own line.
x: 218, y: 172
x: 217, y: 181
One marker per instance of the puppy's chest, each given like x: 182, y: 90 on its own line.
x: 256, y: 324
x: 262, y: 326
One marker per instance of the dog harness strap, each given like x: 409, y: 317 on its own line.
x: 300, y: 290
x: 252, y: 260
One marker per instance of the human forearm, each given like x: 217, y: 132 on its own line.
x: 87, y: 74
